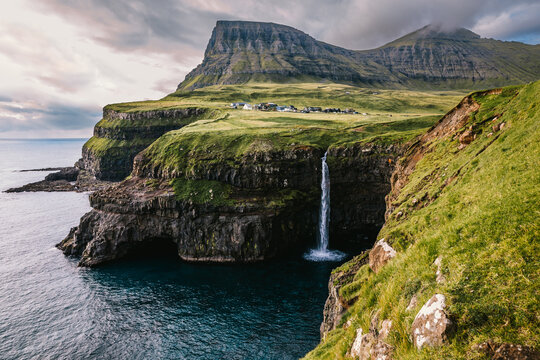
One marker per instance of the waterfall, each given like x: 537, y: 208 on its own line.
x: 321, y: 253
x: 324, y: 210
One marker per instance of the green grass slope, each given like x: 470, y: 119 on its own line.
x: 117, y: 139
x: 479, y: 209
x: 391, y: 116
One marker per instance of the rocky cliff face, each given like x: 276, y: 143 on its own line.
x: 239, y: 51
x: 269, y: 206
x: 430, y: 57
x: 134, y: 215
x: 109, y: 154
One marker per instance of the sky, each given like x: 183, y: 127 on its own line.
x: 63, y: 60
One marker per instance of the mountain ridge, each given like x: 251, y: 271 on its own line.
x: 431, y: 57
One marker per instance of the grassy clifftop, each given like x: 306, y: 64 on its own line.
x: 477, y: 207
x: 128, y: 128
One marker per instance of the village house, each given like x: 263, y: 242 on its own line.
x: 237, y: 105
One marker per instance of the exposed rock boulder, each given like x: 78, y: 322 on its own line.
x: 373, y: 345
x: 381, y: 253
x: 431, y: 326
x: 362, y: 345
x: 467, y: 137
x: 438, y: 263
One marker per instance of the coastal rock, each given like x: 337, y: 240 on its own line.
x: 431, y: 326
x: 272, y: 208
x: 381, y: 253
x: 113, y: 160
x: 335, y: 306
x: 68, y: 174
x: 67, y: 179
x: 130, y: 216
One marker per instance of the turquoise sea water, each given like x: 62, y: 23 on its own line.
x: 158, y: 308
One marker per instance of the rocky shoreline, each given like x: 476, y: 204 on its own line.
x: 64, y: 179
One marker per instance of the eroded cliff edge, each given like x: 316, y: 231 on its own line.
x: 243, y: 208
x: 124, y: 132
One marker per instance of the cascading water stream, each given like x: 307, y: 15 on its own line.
x: 321, y: 253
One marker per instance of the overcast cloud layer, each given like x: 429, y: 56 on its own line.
x: 63, y: 60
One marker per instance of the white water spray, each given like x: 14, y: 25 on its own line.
x: 321, y: 253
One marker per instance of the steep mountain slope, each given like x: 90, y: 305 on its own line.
x: 240, y: 52
x: 462, y: 219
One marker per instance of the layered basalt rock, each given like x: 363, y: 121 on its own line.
x: 109, y: 154
x: 270, y: 207
x: 360, y: 179
x: 431, y: 57
x: 131, y: 214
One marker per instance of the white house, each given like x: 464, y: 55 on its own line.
x: 248, y: 107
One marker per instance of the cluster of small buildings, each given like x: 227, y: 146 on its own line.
x: 263, y: 107
x: 290, y: 108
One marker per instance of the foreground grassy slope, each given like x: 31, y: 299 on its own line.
x: 478, y: 208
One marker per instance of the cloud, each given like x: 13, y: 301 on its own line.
x: 184, y: 26
x: 179, y: 28
x: 30, y: 116
x: 62, y: 60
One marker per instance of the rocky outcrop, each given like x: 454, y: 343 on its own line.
x: 66, y: 179
x: 432, y: 325
x: 133, y: 214
x: 372, y: 345
x: 272, y: 205
x: 335, y: 306
x: 68, y: 174
x: 380, y: 254
x: 109, y: 154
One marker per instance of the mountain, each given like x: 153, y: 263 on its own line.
x: 242, y: 51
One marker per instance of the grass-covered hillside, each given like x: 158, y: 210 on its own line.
x: 128, y: 128
x: 477, y: 206
x: 384, y: 117
x: 325, y: 94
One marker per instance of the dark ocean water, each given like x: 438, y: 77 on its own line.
x: 158, y: 308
